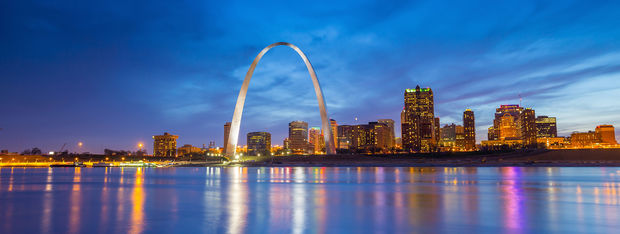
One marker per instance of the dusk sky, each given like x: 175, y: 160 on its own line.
x: 112, y: 73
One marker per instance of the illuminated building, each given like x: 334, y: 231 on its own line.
x: 546, y: 127
x: 606, y: 134
x: 345, y: 134
x: 492, y: 134
x: 505, y: 122
x: 382, y: 137
x: 448, y: 135
x: 334, y: 126
x: 390, y: 124
x: 418, y: 127
x: 259, y: 144
x: 469, y: 129
x: 316, y: 140
x: 165, y: 145
x: 226, y: 134
x: 527, y: 125
x: 286, y: 144
x: 584, y: 139
x: 551, y: 142
x: 298, y: 137
x: 452, y: 137
x: 436, y: 131
x: 371, y: 137
x: 189, y: 149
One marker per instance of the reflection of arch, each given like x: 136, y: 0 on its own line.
x: 236, y: 121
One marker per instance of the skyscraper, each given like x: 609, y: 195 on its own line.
x: 259, y: 144
x: 606, y: 133
x: 505, y: 123
x: 316, y: 139
x: 546, y: 127
x: 334, y: 126
x: 390, y: 124
x: 345, y: 133
x: 418, y: 127
x: 448, y: 135
x: 298, y: 137
x: 527, y: 124
x: 469, y: 129
x: 165, y: 145
x: 226, y: 134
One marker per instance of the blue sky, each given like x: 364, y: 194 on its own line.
x: 114, y: 73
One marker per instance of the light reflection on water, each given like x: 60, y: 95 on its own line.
x: 309, y: 199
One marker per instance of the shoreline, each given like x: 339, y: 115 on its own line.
x: 519, y: 158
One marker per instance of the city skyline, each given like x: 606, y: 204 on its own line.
x: 110, y: 89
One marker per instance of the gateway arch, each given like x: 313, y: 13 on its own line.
x: 233, y: 137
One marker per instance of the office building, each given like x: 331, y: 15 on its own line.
x: 390, y: 124
x: 226, y: 134
x: 316, y: 141
x: 165, y: 145
x: 527, y: 125
x: 259, y: 144
x: 606, y: 134
x: 345, y: 133
x: 546, y: 127
x: 189, y: 150
x: 298, y: 137
x: 334, y: 126
x: 418, y: 128
x: 469, y: 129
x: 505, y: 123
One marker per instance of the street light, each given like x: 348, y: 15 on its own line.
x: 80, y: 144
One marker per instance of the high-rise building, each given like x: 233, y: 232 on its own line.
x: 382, y: 137
x: 334, y: 126
x: 165, y: 145
x: 436, y: 131
x: 546, y: 127
x: 459, y: 133
x: 418, y: 127
x: 226, y: 134
x: 448, y: 135
x: 492, y: 134
x: 390, y: 124
x: 607, y: 134
x: 505, y: 123
x: 527, y: 125
x: 469, y: 129
x: 316, y: 140
x: 298, y: 137
x: 452, y: 136
x: 345, y: 136
x: 286, y: 144
x: 259, y: 144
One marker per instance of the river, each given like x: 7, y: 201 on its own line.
x: 310, y: 200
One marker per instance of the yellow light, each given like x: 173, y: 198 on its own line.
x: 140, y: 145
x: 80, y: 144
x: 107, y: 158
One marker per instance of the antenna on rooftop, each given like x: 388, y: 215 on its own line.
x: 520, y: 99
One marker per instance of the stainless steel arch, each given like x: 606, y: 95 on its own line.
x: 233, y: 137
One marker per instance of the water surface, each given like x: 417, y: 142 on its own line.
x: 309, y: 200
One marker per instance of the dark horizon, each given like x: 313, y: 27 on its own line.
x: 113, y: 74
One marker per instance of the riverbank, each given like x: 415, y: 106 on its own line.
x: 523, y: 158
x: 519, y: 158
